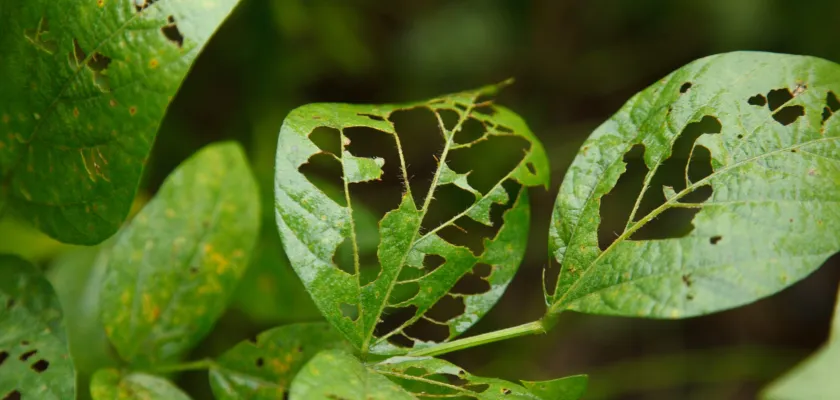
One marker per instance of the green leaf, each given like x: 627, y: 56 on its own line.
x: 110, y: 384
x: 334, y: 374
x: 173, y: 269
x: 265, y: 369
x: 312, y: 225
x: 438, y: 378
x: 34, y: 358
x: 816, y: 377
x: 85, y: 87
x: 771, y: 217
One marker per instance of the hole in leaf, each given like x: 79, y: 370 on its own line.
x: 446, y: 308
x: 373, y: 117
x: 507, y: 151
x: 477, y: 387
x: 171, y: 32
x: 393, y: 318
x: 449, y: 117
x: 327, y: 139
x: 260, y: 362
x: 504, y: 129
x: 141, y: 5
x: 789, y: 114
x: 758, y: 100
x: 471, y: 130
x: 472, y: 282
x: 422, y: 143
x: 687, y: 280
x: 350, y: 311
x: 343, y: 257
x: 77, y: 55
x: 618, y: 203
x: 433, y: 261
x: 403, y: 292
x: 40, y: 366
x: 715, y: 239
x: 778, y: 97
x: 531, y: 168
x: 826, y: 114
x: 3, y: 356
x: 324, y: 171
x: 685, y: 86
x: 385, y: 194
x: 426, y: 330
x: 832, y: 102
x: 13, y: 395
x: 98, y: 62
x: 25, y: 356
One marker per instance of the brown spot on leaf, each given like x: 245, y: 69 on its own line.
x: 41, y: 366
x: 76, y: 112
x: 132, y: 110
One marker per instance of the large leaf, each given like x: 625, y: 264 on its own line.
x: 816, y: 378
x: 111, y: 384
x: 34, y: 357
x: 85, y: 86
x: 312, y: 225
x: 771, y: 217
x: 334, y: 374
x: 264, y: 369
x: 428, y: 377
x: 173, y: 269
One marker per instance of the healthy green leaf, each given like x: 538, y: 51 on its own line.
x: 312, y: 225
x: 110, y: 384
x: 173, y: 269
x: 431, y: 377
x: 771, y: 218
x: 85, y: 86
x: 34, y: 357
x: 816, y: 378
x: 334, y: 374
x: 265, y: 369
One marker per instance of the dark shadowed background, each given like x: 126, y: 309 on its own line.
x: 575, y: 63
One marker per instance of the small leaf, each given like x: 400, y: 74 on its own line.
x: 83, y: 99
x: 769, y: 215
x: 110, y: 384
x: 174, y: 268
x: 264, y: 370
x: 35, y: 360
x: 568, y: 388
x: 312, y: 225
x: 334, y: 374
x: 816, y: 377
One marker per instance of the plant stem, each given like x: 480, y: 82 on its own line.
x: 197, y: 365
x: 531, y: 328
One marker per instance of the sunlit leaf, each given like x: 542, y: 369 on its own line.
x: 34, y: 357
x: 111, y: 384
x: 766, y: 210
x: 264, y: 369
x: 313, y: 225
x: 816, y: 377
x: 334, y: 374
x: 568, y: 388
x: 85, y: 86
x: 173, y: 270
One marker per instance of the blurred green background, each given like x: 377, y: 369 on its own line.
x: 575, y: 63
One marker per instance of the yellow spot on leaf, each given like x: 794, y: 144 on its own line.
x: 279, y: 366
x: 132, y: 110
x: 100, y: 3
x: 170, y: 213
x: 76, y: 112
x: 153, y: 63
x: 112, y: 103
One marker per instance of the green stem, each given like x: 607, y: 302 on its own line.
x: 531, y: 328
x: 197, y: 365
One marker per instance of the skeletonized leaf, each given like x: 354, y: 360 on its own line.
x: 334, y: 374
x: 312, y: 225
x: 34, y: 357
x: 816, y: 378
x: 85, y: 86
x: 770, y: 125
x: 428, y: 377
x: 173, y: 269
x: 111, y: 384
x: 265, y: 369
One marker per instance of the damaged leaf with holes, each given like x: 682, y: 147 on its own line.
x: 111, y: 384
x: 334, y: 374
x: 757, y: 187
x: 264, y: 368
x: 35, y: 359
x: 173, y: 270
x: 415, y: 266
x: 82, y: 101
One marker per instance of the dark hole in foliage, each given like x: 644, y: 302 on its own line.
x: 715, y: 239
x: 171, y: 32
x: 98, y: 62
x: 446, y: 308
x: 141, y: 5
x: 531, y: 168
x: 617, y: 204
x: 385, y: 194
x: 506, y: 391
x: 471, y: 130
x: 327, y: 139
x: 449, y: 117
x: 428, y: 331
x: 433, y: 261
x: 77, y: 55
x: 477, y: 387
x: 461, y: 107
x: 13, y: 395
x: 3, y: 356
x: 689, y: 296
x: 343, y: 257
x: 403, y: 292
x: 778, y: 97
x: 324, y: 172
x: 826, y: 114
x: 455, y: 380
x: 25, y: 356
x: 40, y: 366
x: 832, y: 102
x: 740, y: 136
x: 789, y: 114
x: 508, y: 152
x: 422, y: 143
x: 687, y: 280
x: 373, y: 117
x: 393, y: 318
x: 504, y: 129
x: 472, y: 282
x: 260, y: 362
x: 685, y: 86
x: 350, y: 311
x: 758, y: 100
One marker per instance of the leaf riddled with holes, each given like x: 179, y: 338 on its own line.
x: 35, y: 359
x: 816, y: 378
x: 312, y: 225
x: 110, y: 384
x: 85, y: 86
x: 173, y: 270
x: 333, y: 374
x: 264, y: 369
x: 428, y: 377
x: 771, y: 138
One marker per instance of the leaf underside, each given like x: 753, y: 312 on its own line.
x: 312, y: 225
x: 110, y: 384
x: 85, y: 86
x: 173, y: 270
x: 771, y: 217
x: 35, y: 359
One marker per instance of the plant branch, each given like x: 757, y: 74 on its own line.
x: 197, y: 365
x: 531, y: 328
